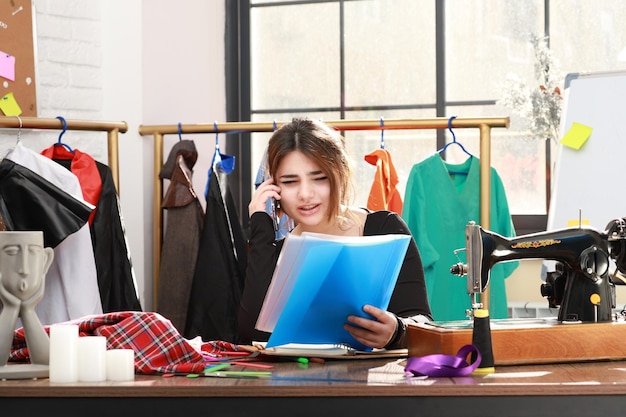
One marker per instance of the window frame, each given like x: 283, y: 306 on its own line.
x: 238, y: 98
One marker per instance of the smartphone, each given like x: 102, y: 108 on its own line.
x: 282, y: 224
x: 273, y: 214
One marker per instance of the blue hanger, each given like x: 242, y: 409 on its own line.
x: 180, y: 132
x: 382, y: 133
x: 453, y: 139
x: 59, y: 142
x: 222, y: 163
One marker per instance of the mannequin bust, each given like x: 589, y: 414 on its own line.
x: 24, y: 263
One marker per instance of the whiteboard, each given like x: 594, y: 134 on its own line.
x: 590, y: 180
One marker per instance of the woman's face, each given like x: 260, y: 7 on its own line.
x: 304, y: 191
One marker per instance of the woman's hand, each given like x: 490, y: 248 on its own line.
x: 373, y: 333
x: 267, y: 189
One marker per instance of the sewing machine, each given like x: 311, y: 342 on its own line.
x: 582, y: 284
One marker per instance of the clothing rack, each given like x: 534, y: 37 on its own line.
x: 112, y: 128
x: 483, y: 124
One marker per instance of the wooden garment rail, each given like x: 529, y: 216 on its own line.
x: 113, y: 130
x: 484, y: 124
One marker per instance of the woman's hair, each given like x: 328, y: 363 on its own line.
x: 323, y: 145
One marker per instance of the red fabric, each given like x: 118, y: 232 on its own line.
x: 384, y: 195
x: 84, y: 167
x: 158, y: 346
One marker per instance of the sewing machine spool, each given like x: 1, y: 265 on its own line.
x: 525, y: 341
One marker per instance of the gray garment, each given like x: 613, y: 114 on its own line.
x: 184, y: 220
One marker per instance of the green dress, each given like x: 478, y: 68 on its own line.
x: 440, y: 199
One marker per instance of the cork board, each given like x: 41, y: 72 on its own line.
x: 17, y: 59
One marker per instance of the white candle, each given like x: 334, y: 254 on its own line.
x: 92, y: 358
x: 63, y: 353
x: 120, y: 364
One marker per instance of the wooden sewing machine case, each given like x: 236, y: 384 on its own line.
x: 525, y: 341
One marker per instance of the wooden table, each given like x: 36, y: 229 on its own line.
x: 337, y: 388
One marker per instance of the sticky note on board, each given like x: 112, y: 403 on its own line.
x: 7, y: 66
x: 576, y: 136
x: 9, y: 105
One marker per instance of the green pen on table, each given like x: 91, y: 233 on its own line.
x: 238, y: 374
x: 231, y: 374
x: 215, y: 368
x: 244, y: 373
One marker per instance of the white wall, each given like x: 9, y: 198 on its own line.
x: 143, y: 62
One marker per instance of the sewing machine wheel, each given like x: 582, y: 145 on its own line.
x: 594, y: 263
x: 616, y: 230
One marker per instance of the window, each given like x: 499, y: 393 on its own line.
x: 372, y: 59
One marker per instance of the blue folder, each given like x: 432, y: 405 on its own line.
x: 320, y: 280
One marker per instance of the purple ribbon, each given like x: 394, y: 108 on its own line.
x: 442, y: 365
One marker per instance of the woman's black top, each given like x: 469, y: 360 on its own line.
x: 409, y: 298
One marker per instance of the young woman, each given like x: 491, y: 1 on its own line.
x: 310, y: 180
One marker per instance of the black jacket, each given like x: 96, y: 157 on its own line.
x: 220, y: 270
x: 116, y: 279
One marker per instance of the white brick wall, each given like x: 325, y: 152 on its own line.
x: 69, y: 58
x: 69, y: 73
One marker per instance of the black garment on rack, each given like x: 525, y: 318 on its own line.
x: 116, y: 279
x: 220, y: 270
x: 30, y: 202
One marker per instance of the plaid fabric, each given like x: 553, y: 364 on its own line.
x: 158, y: 346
